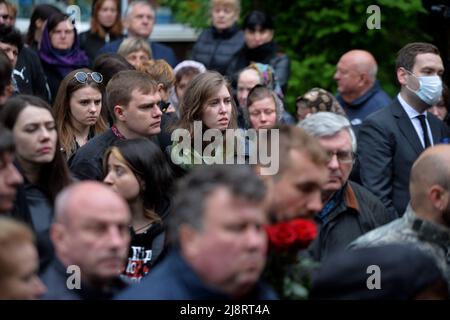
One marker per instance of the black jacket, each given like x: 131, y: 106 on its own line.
x: 174, y: 279
x: 92, y: 43
x: 29, y: 74
x: 215, y: 49
x: 34, y: 209
x: 87, y: 162
x: 267, y: 53
x: 357, y: 212
x: 56, y: 278
x: 388, y: 145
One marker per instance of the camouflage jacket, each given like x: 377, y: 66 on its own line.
x: 431, y: 238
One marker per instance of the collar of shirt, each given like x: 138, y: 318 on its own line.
x: 337, y: 198
x: 360, y: 100
x: 412, y: 115
x: 410, y: 111
x: 117, y: 133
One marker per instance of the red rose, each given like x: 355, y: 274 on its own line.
x: 281, y: 236
x: 306, y: 231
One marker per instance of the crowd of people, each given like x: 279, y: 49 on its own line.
x: 116, y: 161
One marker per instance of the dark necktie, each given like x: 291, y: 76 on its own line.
x: 423, y: 123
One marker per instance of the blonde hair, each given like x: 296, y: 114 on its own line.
x: 131, y: 44
x: 160, y: 71
x: 12, y: 233
x: 234, y: 4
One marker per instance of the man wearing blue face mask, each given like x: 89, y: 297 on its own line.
x: 391, y: 139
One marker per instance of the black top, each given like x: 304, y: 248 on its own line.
x: 92, y: 43
x: 145, y: 250
x: 267, y: 53
x: 174, y: 279
x: 29, y: 74
x: 87, y: 163
x: 35, y: 209
x: 355, y: 212
x: 215, y: 49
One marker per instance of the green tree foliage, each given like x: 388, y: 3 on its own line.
x: 316, y: 33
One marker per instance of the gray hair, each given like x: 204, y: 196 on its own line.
x: 195, y: 188
x: 132, y: 44
x: 235, y: 4
x: 372, y: 72
x: 323, y: 124
x: 132, y: 4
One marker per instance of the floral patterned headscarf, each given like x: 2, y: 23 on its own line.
x: 318, y: 99
x: 268, y: 77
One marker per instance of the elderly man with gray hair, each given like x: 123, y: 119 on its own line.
x: 349, y: 209
x: 139, y: 21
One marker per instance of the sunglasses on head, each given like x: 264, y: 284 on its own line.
x: 82, y: 77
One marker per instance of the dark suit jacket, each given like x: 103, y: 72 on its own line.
x: 388, y: 145
x: 159, y: 51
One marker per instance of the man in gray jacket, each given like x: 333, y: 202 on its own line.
x: 426, y: 222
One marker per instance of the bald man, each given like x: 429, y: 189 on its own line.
x: 91, y: 240
x: 359, y: 91
x: 426, y: 222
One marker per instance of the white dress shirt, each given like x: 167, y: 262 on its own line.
x: 412, y: 114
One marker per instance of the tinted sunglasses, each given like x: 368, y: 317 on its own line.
x: 82, y: 77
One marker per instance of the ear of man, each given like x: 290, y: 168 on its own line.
x: 57, y: 236
x: 119, y: 112
x: 188, y: 238
x: 438, y: 197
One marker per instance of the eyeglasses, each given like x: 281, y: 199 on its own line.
x: 163, y: 106
x: 342, y: 156
x: 82, y: 77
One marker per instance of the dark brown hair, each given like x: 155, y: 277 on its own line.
x: 41, y: 12
x: 406, y: 57
x: 53, y: 176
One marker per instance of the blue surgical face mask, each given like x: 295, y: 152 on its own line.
x: 430, y: 88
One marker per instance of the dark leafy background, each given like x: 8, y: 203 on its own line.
x: 316, y: 33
